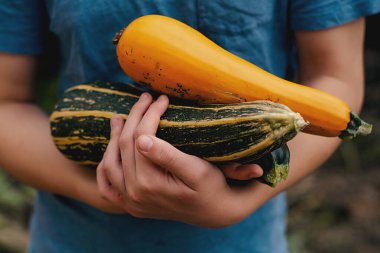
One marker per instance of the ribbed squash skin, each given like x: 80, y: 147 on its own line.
x: 171, y: 57
x: 218, y: 133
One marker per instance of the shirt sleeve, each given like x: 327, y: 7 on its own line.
x: 317, y: 15
x: 23, y: 26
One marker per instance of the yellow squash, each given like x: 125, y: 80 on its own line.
x: 173, y: 58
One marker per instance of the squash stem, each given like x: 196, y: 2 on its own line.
x: 355, y: 127
x: 299, y: 122
x: 365, y: 129
x: 117, y: 37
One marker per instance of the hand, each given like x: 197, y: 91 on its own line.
x: 149, y: 178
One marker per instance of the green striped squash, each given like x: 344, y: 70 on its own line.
x: 218, y: 133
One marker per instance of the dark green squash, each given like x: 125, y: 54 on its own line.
x: 219, y: 133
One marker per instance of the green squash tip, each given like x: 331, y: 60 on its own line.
x: 355, y: 127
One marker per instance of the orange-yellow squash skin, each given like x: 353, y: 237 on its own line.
x: 173, y: 58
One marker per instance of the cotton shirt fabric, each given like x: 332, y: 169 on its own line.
x: 259, y: 31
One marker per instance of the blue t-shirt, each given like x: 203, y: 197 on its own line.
x: 259, y: 31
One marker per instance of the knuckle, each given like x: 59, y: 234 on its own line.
x: 142, y: 191
x: 152, y: 187
x: 145, y: 185
x: 188, y: 195
x: 124, y: 141
x: 138, y: 106
x: 139, y: 131
x: 108, y: 164
x: 134, y: 195
x: 203, y: 173
x: 167, y: 157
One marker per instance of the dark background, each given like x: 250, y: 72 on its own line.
x: 335, y: 210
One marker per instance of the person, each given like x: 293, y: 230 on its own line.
x: 147, y: 196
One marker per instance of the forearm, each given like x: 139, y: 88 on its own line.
x: 28, y: 154
x: 308, y: 152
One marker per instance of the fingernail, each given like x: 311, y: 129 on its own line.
x: 143, y: 96
x: 145, y: 143
x: 161, y: 98
x: 115, y: 121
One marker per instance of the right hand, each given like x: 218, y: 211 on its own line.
x: 147, y: 177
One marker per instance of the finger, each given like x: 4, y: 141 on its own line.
x: 115, y: 176
x: 113, y: 151
x: 242, y: 172
x: 145, y: 170
x: 111, y: 160
x: 105, y: 187
x: 189, y: 169
x: 127, y: 144
x: 151, y: 119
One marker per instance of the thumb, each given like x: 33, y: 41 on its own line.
x: 186, y: 167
